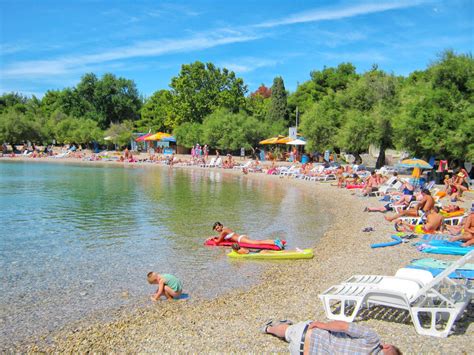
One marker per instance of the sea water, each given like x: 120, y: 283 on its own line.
x: 80, y: 239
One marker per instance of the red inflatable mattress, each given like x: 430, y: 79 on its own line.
x: 211, y: 242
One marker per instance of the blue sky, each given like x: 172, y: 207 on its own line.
x: 46, y: 44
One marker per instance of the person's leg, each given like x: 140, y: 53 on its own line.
x: 170, y: 293
x: 377, y: 209
x: 278, y: 330
x: 468, y: 242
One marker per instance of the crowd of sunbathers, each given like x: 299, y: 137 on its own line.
x: 420, y: 209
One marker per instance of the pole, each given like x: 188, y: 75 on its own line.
x: 297, y: 122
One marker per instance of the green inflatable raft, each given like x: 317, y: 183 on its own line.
x: 274, y: 254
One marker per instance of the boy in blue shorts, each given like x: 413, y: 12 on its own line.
x: 168, y: 285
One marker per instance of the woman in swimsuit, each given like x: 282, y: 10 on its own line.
x: 227, y: 234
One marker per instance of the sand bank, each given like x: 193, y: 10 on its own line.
x: 289, y: 291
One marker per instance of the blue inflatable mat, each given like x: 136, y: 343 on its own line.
x: 459, y: 274
x: 443, y: 247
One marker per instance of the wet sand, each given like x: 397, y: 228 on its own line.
x: 289, y: 290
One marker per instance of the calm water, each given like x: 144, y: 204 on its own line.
x: 75, y: 240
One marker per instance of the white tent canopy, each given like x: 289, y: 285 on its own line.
x: 297, y: 142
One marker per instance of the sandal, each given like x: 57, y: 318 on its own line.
x: 273, y: 323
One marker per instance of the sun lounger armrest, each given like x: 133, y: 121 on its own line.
x: 386, y: 298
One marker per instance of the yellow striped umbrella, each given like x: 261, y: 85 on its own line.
x: 157, y: 136
x: 276, y: 140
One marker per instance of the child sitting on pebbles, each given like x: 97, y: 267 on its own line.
x: 168, y: 285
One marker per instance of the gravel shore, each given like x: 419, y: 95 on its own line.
x: 289, y: 290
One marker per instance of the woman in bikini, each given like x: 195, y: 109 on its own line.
x: 227, y: 234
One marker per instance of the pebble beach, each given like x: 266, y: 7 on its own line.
x: 289, y: 290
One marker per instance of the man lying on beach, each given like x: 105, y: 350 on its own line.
x: 433, y: 223
x: 227, y: 234
x: 334, y: 337
x: 168, y: 285
x: 425, y: 205
x: 467, y: 231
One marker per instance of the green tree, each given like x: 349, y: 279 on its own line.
x: 120, y: 133
x: 437, y: 110
x: 13, y: 99
x: 278, y: 110
x: 227, y: 130
x: 320, y: 124
x: 117, y: 100
x: 156, y: 113
x: 201, y: 88
x: 17, y: 127
x: 188, y: 134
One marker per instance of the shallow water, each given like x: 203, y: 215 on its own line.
x: 78, y: 239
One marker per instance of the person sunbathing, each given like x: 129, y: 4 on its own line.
x: 372, y: 184
x: 227, y: 234
x: 433, y: 223
x: 426, y: 204
x: 332, y: 337
x: 467, y: 230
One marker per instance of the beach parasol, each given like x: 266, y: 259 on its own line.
x: 297, y: 142
x: 276, y: 140
x: 142, y: 138
x: 416, y: 164
x: 169, y: 139
x: 157, y: 136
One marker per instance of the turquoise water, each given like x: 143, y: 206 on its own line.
x: 76, y: 239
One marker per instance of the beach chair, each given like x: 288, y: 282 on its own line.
x: 433, y: 305
x: 218, y: 163
x: 454, y: 221
x: 294, y: 169
x: 244, y: 166
x: 211, y: 164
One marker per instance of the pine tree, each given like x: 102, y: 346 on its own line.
x: 278, y: 110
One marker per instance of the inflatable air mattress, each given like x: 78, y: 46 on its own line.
x: 352, y: 186
x: 211, y: 242
x: 274, y: 254
x: 438, y: 264
x: 459, y: 274
x: 443, y: 247
x: 457, y: 213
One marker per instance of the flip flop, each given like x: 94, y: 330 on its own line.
x: 273, y: 323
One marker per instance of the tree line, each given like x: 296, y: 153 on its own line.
x: 428, y: 113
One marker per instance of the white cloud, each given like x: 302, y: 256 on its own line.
x: 69, y: 64
x: 11, y: 48
x: 339, y: 13
x: 248, y: 64
x: 369, y: 56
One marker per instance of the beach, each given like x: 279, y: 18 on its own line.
x: 289, y: 290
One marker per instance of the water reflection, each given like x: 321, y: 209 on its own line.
x: 80, y: 236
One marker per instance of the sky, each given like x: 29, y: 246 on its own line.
x: 50, y: 44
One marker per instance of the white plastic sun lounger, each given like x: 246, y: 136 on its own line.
x: 441, y: 301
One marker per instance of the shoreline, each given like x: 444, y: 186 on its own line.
x: 231, y: 323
